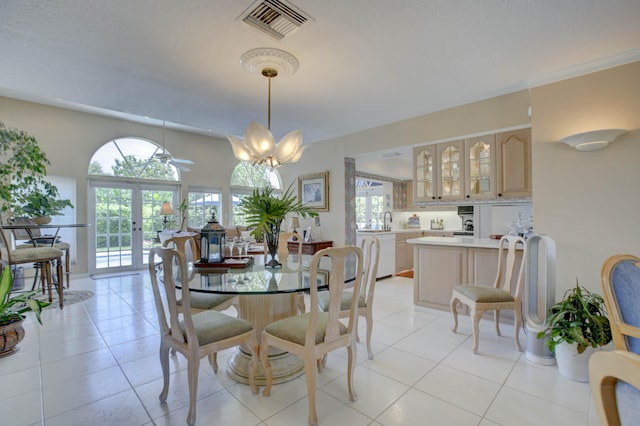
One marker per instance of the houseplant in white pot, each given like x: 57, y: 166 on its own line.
x: 576, y: 326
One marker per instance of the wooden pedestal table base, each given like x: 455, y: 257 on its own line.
x: 262, y: 310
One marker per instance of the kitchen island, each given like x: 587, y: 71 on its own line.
x: 441, y: 263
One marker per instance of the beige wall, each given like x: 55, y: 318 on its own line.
x: 589, y: 202
x: 70, y: 138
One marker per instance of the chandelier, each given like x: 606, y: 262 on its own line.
x: 259, y: 145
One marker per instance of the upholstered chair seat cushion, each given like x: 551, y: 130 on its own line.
x: 212, y: 326
x: 35, y: 254
x: 345, y: 303
x: 61, y: 245
x: 484, y: 294
x: 294, y: 329
x: 206, y: 301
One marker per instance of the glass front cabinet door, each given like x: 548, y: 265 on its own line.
x: 480, y: 167
x: 424, y: 173
x: 451, y: 171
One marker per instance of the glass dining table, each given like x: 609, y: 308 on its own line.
x: 264, y: 295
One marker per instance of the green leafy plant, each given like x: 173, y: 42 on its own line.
x: 22, y: 165
x: 41, y: 200
x: 580, y: 317
x: 265, y: 211
x: 13, y: 308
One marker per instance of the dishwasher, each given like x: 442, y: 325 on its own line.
x: 387, y: 259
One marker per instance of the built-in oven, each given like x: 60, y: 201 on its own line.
x: 466, y: 215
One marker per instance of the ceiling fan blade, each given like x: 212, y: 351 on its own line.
x: 182, y: 160
x: 179, y: 166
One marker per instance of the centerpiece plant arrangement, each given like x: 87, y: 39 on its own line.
x: 265, y: 212
x: 12, y: 310
x: 576, y: 326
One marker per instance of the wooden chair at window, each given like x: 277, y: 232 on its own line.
x: 44, y: 257
x: 312, y: 335
x: 502, y: 295
x: 371, y: 251
x: 193, y: 335
x: 41, y: 241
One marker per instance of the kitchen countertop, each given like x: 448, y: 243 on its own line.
x: 403, y: 231
x: 456, y: 241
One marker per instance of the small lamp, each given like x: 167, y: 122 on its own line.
x: 592, y: 141
x: 165, y: 211
x: 212, y: 241
x: 295, y: 223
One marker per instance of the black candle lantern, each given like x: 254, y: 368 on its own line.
x: 212, y: 241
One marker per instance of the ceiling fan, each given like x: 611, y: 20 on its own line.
x: 165, y: 158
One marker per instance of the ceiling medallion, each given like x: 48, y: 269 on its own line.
x: 258, y: 145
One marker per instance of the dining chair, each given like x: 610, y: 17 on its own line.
x: 614, y: 377
x: 620, y: 281
x: 43, y: 257
x: 193, y: 335
x: 312, y: 335
x: 504, y: 294
x: 284, y: 239
x: 198, y: 301
x: 42, y: 241
x: 371, y: 252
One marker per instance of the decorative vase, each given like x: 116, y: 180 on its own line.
x: 271, y: 238
x: 10, y: 335
x: 571, y: 364
x: 42, y: 220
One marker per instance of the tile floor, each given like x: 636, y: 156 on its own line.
x: 96, y: 363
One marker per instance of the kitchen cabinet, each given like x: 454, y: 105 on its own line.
x: 488, y: 167
x: 404, y: 251
x: 403, y: 195
x: 441, y: 268
x: 438, y: 172
x: 514, y: 164
x: 480, y: 167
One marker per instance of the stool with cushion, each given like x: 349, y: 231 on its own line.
x: 43, y: 256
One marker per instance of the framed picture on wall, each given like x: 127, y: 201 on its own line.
x: 322, y: 278
x: 313, y: 191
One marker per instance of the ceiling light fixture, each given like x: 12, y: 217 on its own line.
x: 592, y: 141
x: 258, y: 145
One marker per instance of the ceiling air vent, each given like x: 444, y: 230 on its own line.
x: 274, y: 17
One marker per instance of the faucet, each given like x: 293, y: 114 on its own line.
x: 384, y: 221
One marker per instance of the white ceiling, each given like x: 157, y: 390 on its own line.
x: 363, y: 63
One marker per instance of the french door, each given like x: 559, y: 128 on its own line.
x: 127, y: 220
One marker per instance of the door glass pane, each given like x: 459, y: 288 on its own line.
x: 113, y: 227
x: 152, y: 221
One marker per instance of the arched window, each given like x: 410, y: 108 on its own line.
x: 132, y: 157
x: 245, y: 177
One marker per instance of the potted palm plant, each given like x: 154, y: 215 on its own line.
x: 12, y: 311
x: 576, y: 326
x: 265, y: 212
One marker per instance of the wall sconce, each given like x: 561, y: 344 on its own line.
x: 165, y: 211
x: 592, y: 141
